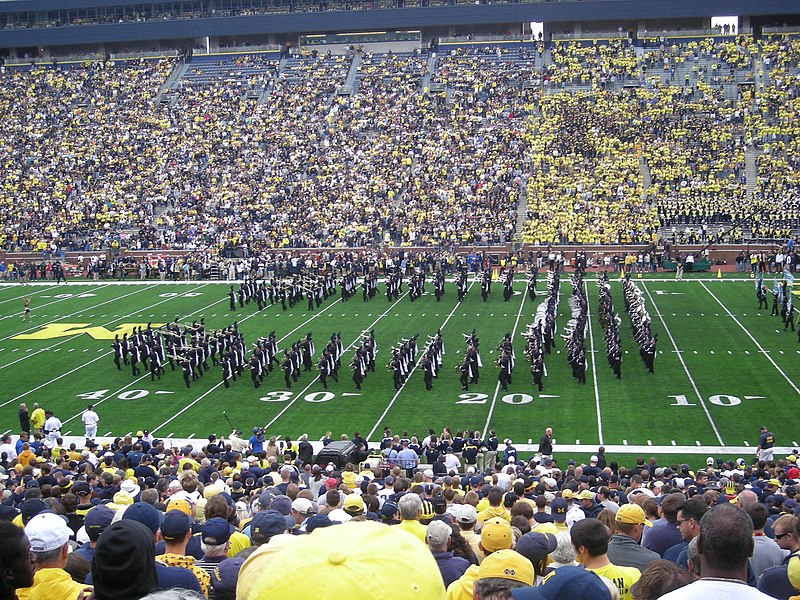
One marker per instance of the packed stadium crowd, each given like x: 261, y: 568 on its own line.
x: 467, y: 516
x: 92, y: 161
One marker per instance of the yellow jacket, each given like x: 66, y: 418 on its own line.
x: 51, y: 584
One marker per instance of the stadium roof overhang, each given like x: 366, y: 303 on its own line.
x: 367, y: 20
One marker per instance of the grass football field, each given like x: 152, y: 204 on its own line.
x: 722, y: 368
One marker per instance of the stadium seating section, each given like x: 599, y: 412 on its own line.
x: 596, y: 141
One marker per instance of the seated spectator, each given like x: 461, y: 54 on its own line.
x: 659, y: 578
x: 438, y: 538
x: 410, y: 508
x: 536, y: 547
x: 569, y: 583
x: 501, y: 572
x: 168, y: 577
x: 123, y: 566
x: 725, y: 544
x: 363, y: 570
x: 215, y: 535
x: 590, y: 538
x: 16, y: 560
x: 95, y: 522
x: 623, y: 548
x: 176, y: 529
x: 49, y: 542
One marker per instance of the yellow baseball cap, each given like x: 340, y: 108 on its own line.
x: 357, y: 571
x: 496, y: 534
x: 632, y: 513
x: 353, y: 503
x: 507, y: 564
x: 584, y: 495
x: 181, y: 505
x: 793, y: 571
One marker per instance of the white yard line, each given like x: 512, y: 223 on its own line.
x: 760, y: 348
x: 300, y: 394
x: 594, y: 366
x: 685, y: 368
x: 497, y: 387
x: 191, y: 404
x: 62, y: 317
x: 400, y: 391
x: 19, y: 298
x: 86, y: 364
x: 73, y: 337
x: 41, y: 306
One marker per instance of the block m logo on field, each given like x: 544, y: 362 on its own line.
x: 57, y: 330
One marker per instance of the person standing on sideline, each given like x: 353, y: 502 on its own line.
x: 766, y: 444
x: 26, y: 308
x: 24, y: 418
x: 90, y: 420
x: 678, y: 269
x: 37, y: 418
x: 52, y: 428
x: 546, y: 443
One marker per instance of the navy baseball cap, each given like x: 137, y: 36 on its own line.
x: 216, y: 531
x: 176, y: 525
x: 145, y: 514
x: 267, y: 523
x: 96, y: 520
x: 389, y: 509
x: 558, y: 508
x: 566, y: 583
x: 225, y: 576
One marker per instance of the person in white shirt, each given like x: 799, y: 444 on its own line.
x: 90, y: 420
x: 52, y: 428
x: 7, y: 448
x: 725, y: 544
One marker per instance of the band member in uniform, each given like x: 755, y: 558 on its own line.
x: 464, y: 373
x: 288, y: 369
x: 186, y: 371
x: 26, y: 308
x: 117, y: 347
x: 508, y: 285
x: 462, y: 285
x: 532, y: 282
x: 486, y: 284
x: 537, y: 369
x: 232, y: 299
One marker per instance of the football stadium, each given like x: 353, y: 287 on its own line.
x: 398, y: 261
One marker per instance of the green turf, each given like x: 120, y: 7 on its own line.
x: 723, y: 362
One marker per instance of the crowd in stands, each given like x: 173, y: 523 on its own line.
x: 465, y: 516
x: 92, y: 161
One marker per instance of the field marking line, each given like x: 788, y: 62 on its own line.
x: 414, y: 368
x: 135, y: 381
x: 35, y: 327
x: 497, y: 387
x: 40, y: 306
x: 685, y: 368
x: 594, y: 366
x: 86, y: 364
x: 761, y: 349
x: 191, y: 404
x: 74, y: 337
x: 18, y: 298
x: 316, y: 378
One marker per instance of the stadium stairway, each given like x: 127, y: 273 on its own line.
x: 348, y: 88
x: 165, y: 94
x: 426, y: 78
x: 751, y: 171
x: 647, y: 180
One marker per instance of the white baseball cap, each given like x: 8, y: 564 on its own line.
x: 46, y: 532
